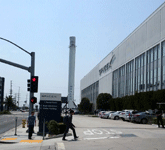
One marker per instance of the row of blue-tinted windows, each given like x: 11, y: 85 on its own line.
x: 145, y: 73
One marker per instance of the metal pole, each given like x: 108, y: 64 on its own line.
x: 32, y: 70
x: 43, y: 128
x: 15, y: 126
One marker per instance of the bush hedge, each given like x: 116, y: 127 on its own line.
x: 55, y: 128
x: 140, y: 101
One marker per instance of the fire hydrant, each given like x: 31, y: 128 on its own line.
x: 23, y: 123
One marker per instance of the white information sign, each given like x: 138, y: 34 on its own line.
x: 50, y: 96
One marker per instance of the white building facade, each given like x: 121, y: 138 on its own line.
x: 136, y: 65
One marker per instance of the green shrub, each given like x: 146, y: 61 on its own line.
x: 53, y: 127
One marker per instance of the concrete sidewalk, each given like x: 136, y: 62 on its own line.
x: 9, y: 141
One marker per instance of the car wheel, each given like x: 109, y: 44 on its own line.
x: 116, y: 118
x: 144, y: 121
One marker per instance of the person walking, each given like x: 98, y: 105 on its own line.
x: 30, y: 123
x: 159, y: 118
x: 70, y: 125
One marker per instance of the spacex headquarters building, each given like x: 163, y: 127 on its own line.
x: 137, y: 64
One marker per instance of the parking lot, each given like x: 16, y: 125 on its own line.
x: 143, y: 117
x: 95, y: 134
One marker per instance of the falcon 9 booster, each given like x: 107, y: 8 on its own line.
x: 71, y: 77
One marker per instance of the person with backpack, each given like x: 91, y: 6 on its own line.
x: 69, y: 124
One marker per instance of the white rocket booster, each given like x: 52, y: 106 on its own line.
x: 71, y: 80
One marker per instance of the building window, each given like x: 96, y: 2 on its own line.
x: 163, y: 65
x: 129, y: 78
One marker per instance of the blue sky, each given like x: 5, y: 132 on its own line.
x: 44, y: 27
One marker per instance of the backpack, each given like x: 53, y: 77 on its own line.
x: 65, y: 119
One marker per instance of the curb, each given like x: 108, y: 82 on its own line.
x: 3, y: 142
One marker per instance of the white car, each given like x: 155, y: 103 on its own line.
x: 106, y: 115
x: 115, y: 115
x: 125, y: 114
x: 111, y: 114
x: 101, y: 113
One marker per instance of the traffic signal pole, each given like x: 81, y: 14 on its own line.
x: 32, y: 69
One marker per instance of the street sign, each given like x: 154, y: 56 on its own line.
x: 50, y: 109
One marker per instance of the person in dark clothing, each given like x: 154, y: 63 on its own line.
x: 70, y: 125
x: 30, y: 123
x: 95, y: 112
x: 159, y: 118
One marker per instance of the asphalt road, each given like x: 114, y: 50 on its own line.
x: 106, y: 134
x: 7, y: 122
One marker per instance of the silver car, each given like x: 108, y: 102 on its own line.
x: 111, y: 114
x: 115, y: 115
x: 124, y: 114
x: 142, y: 117
x: 106, y: 115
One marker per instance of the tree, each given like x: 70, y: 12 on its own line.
x: 103, y: 101
x: 9, y: 102
x: 85, y: 105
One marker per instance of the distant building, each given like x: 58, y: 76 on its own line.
x: 137, y: 64
x: 2, y: 81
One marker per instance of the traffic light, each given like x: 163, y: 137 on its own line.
x: 28, y: 85
x: 34, y: 84
x: 33, y: 100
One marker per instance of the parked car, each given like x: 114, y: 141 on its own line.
x: 111, y: 114
x: 106, y: 115
x: 115, y: 115
x: 124, y: 114
x: 101, y: 113
x: 142, y: 117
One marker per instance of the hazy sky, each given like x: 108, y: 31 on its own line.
x: 44, y: 27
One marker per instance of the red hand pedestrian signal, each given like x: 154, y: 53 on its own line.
x: 33, y: 100
x: 34, y: 79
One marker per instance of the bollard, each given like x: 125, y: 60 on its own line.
x: 43, y: 128
x: 15, y: 126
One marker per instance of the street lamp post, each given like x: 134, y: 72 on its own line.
x: 30, y: 69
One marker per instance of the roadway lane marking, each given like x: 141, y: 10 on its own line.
x: 60, y: 146
x: 96, y: 134
x: 95, y: 138
x: 100, y: 132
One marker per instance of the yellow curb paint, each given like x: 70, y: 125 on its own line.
x: 5, y: 139
x: 31, y: 141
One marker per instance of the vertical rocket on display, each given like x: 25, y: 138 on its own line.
x: 72, y: 54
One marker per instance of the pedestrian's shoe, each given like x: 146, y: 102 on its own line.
x: 64, y: 139
x: 76, y: 137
